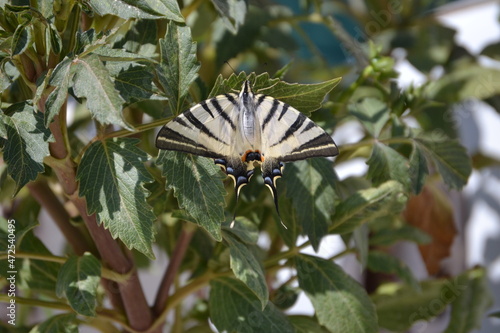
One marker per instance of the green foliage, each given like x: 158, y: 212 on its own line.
x: 112, y: 176
x: 77, y: 281
x: 129, y: 66
x: 331, y: 290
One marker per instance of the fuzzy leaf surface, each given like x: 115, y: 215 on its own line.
x: 178, y: 66
x: 341, y: 303
x: 93, y: 82
x: 197, y: 185
x: 112, y: 177
x: 235, y: 308
x: 27, y: 143
x: 78, y: 280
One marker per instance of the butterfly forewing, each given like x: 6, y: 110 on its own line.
x: 207, y: 129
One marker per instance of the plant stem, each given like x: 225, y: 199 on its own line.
x: 130, y: 293
x: 175, y: 262
x: 44, y: 195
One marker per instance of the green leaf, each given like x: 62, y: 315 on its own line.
x: 341, y: 303
x: 38, y: 275
x: 305, y: 324
x: 304, y: 97
x: 450, y: 158
x: 243, y: 228
x: 78, y: 280
x: 310, y: 185
x: 233, y: 13
x: 472, y: 300
x: 361, y: 241
x: 27, y: 143
x: 134, y: 82
x: 385, y: 263
x: 197, y: 185
x: 400, y: 306
x: 60, y: 79
x: 372, y: 113
x: 92, y: 81
x: 112, y: 177
x: 178, y: 66
x: 387, y: 164
x: 418, y: 169
x: 63, y: 323
x: 366, y: 205
x: 389, y: 236
x: 235, y: 308
x: 247, y: 268
x: 22, y: 39
x: 144, y: 9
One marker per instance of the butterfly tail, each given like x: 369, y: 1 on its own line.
x: 239, y: 172
x: 271, y: 171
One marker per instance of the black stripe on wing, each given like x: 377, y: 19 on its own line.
x: 215, y: 103
x: 271, y: 113
x: 293, y: 128
x: 199, y: 125
x: 169, y: 139
x: 321, y: 145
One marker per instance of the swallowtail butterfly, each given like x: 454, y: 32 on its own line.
x: 241, y: 130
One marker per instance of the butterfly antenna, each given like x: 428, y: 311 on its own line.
x: 229, y: 65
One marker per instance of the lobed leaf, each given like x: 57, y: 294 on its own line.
x: 144, y: 9
x: 78, y: 280
x: 366, y: 205
x: 27, y: 143
x: 372, y: 113
x: 112, y: 177
x: 178, y: 66
x: 387, y: 164
x: 304, y: 97
x: 341, y: 303
x: 60, y: 79
x: 92, y: 81
x: 247, y: 268
x: 310, y: 185
x: 450, y: 158
x: 235, y: 308
x: 197, y: 185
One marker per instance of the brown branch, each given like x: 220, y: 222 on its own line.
x: 175, y: 262
x: 130, y: 292
x: 44, y: 195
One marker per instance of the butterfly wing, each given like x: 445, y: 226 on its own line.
x: 206, y: 129
x: 288, y: 135
x: 210, y: 129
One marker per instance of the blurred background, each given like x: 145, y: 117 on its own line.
x: 453, y: 44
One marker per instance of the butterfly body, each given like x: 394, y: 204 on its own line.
x: 242, y: 130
